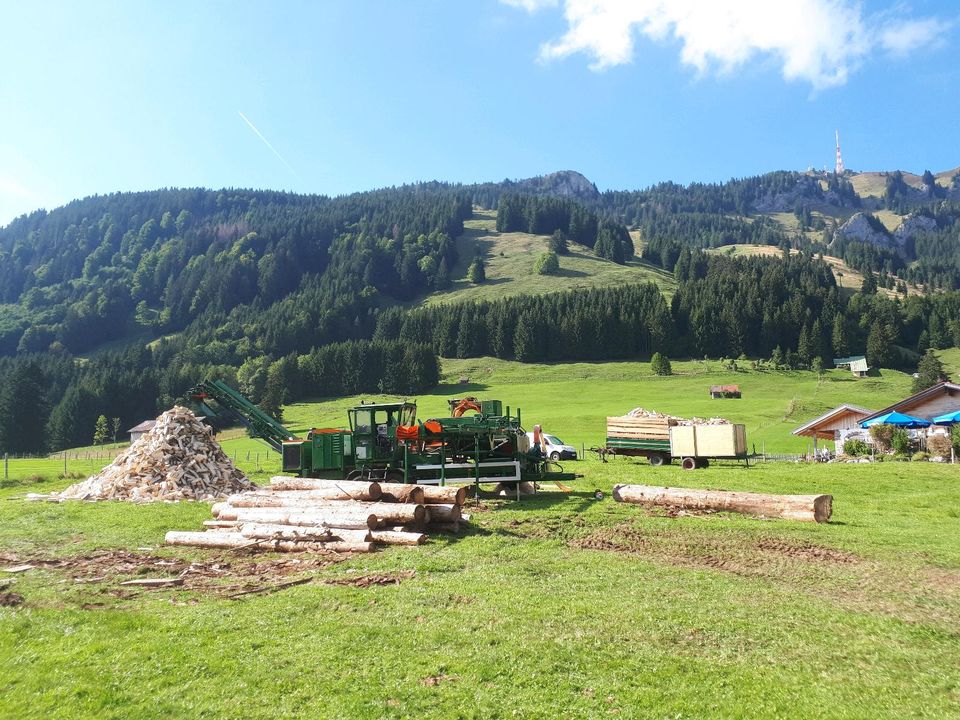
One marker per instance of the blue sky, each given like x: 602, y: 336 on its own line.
x: 100, y: 97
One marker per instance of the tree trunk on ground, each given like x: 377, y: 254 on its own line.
x: 810, y: 508
x: 392, y: 537
x: 392, y: 513
x: 401, y: 493
x: 350, y: 489
x: 448, y: 494
x: 227, y: 540
x: 349, y: 519
x: 290, y: 532
x: 444, y: 513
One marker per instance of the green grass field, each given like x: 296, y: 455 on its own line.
x: 555, y: 606
x: 510, y: 258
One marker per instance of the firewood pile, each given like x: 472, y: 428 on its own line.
x: 178, y: 459
x: 639, y: 412
x: 303, y: 514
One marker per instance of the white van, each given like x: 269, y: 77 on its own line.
x: 556, y: 450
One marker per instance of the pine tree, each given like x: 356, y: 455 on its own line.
x: 524, y: 339
x: 838, y: 337
x: 558, y: 243
x: 804, y: 349
x: 930, y: 371
x: 547, y: 264
x: 660, y: 364
x: 441, y: 281
x: 776, y: 358
x: 878, y: 345
x: 817, y: 349
x: 100, y: 431
x: 477, y: 272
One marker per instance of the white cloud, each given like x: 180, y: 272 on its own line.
x: 902, y: 38
x: 817, y: 41
x: 530, y: 5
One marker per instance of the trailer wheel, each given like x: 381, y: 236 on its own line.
x: 689, y: 463
x: 702, y: 463
x: 354, y: 475
x: 656, y: 459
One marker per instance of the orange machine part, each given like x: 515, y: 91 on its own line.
x: 407, y: 432
x: 465, y: 404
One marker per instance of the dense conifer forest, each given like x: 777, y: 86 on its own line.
x: 116, y: 305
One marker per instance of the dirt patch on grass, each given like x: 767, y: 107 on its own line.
x: 920, y: 594
x: 808, y: 551
x: 749, y: 557
x: 362, y: 581
x: 223, y: 574
x: 10, y: 599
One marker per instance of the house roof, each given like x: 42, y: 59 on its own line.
x: 848, y: 360
x: 724, y: 388
x: 810, y: 428
x: 859, y: 365
x: 907, y: 402
x: 143, y: 427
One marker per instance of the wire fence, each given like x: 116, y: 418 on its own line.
x: 67, y: 463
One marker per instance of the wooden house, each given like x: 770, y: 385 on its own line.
x: 724, y: 391
x: 138, y: 430
x: 939, y: 399
x: 839, y: 425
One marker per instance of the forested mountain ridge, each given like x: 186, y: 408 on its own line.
x: 294, y: 296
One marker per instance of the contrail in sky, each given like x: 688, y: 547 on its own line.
x: 267, y: 143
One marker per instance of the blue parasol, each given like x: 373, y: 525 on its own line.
x: 897, y: 419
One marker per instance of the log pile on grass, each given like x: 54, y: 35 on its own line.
x: 300, y: 514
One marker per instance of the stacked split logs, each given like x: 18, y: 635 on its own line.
x: 178, y: 459
x: 340, y: 515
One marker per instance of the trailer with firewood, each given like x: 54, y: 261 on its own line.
x: 663, y: 438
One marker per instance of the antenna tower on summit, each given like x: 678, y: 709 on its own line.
x: 839, y: 168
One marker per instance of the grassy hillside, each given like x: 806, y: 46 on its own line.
x: 510, y: 258
x: 873, y: 184
x: 573, y: 400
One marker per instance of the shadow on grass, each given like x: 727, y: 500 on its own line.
x: 459, y: 388
x: 568, y: 273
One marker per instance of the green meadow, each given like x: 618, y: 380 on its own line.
x: 559, y: 605
x: 573, y: 400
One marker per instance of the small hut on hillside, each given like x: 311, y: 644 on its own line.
x: 718, y: 392
x: 857, y: 364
